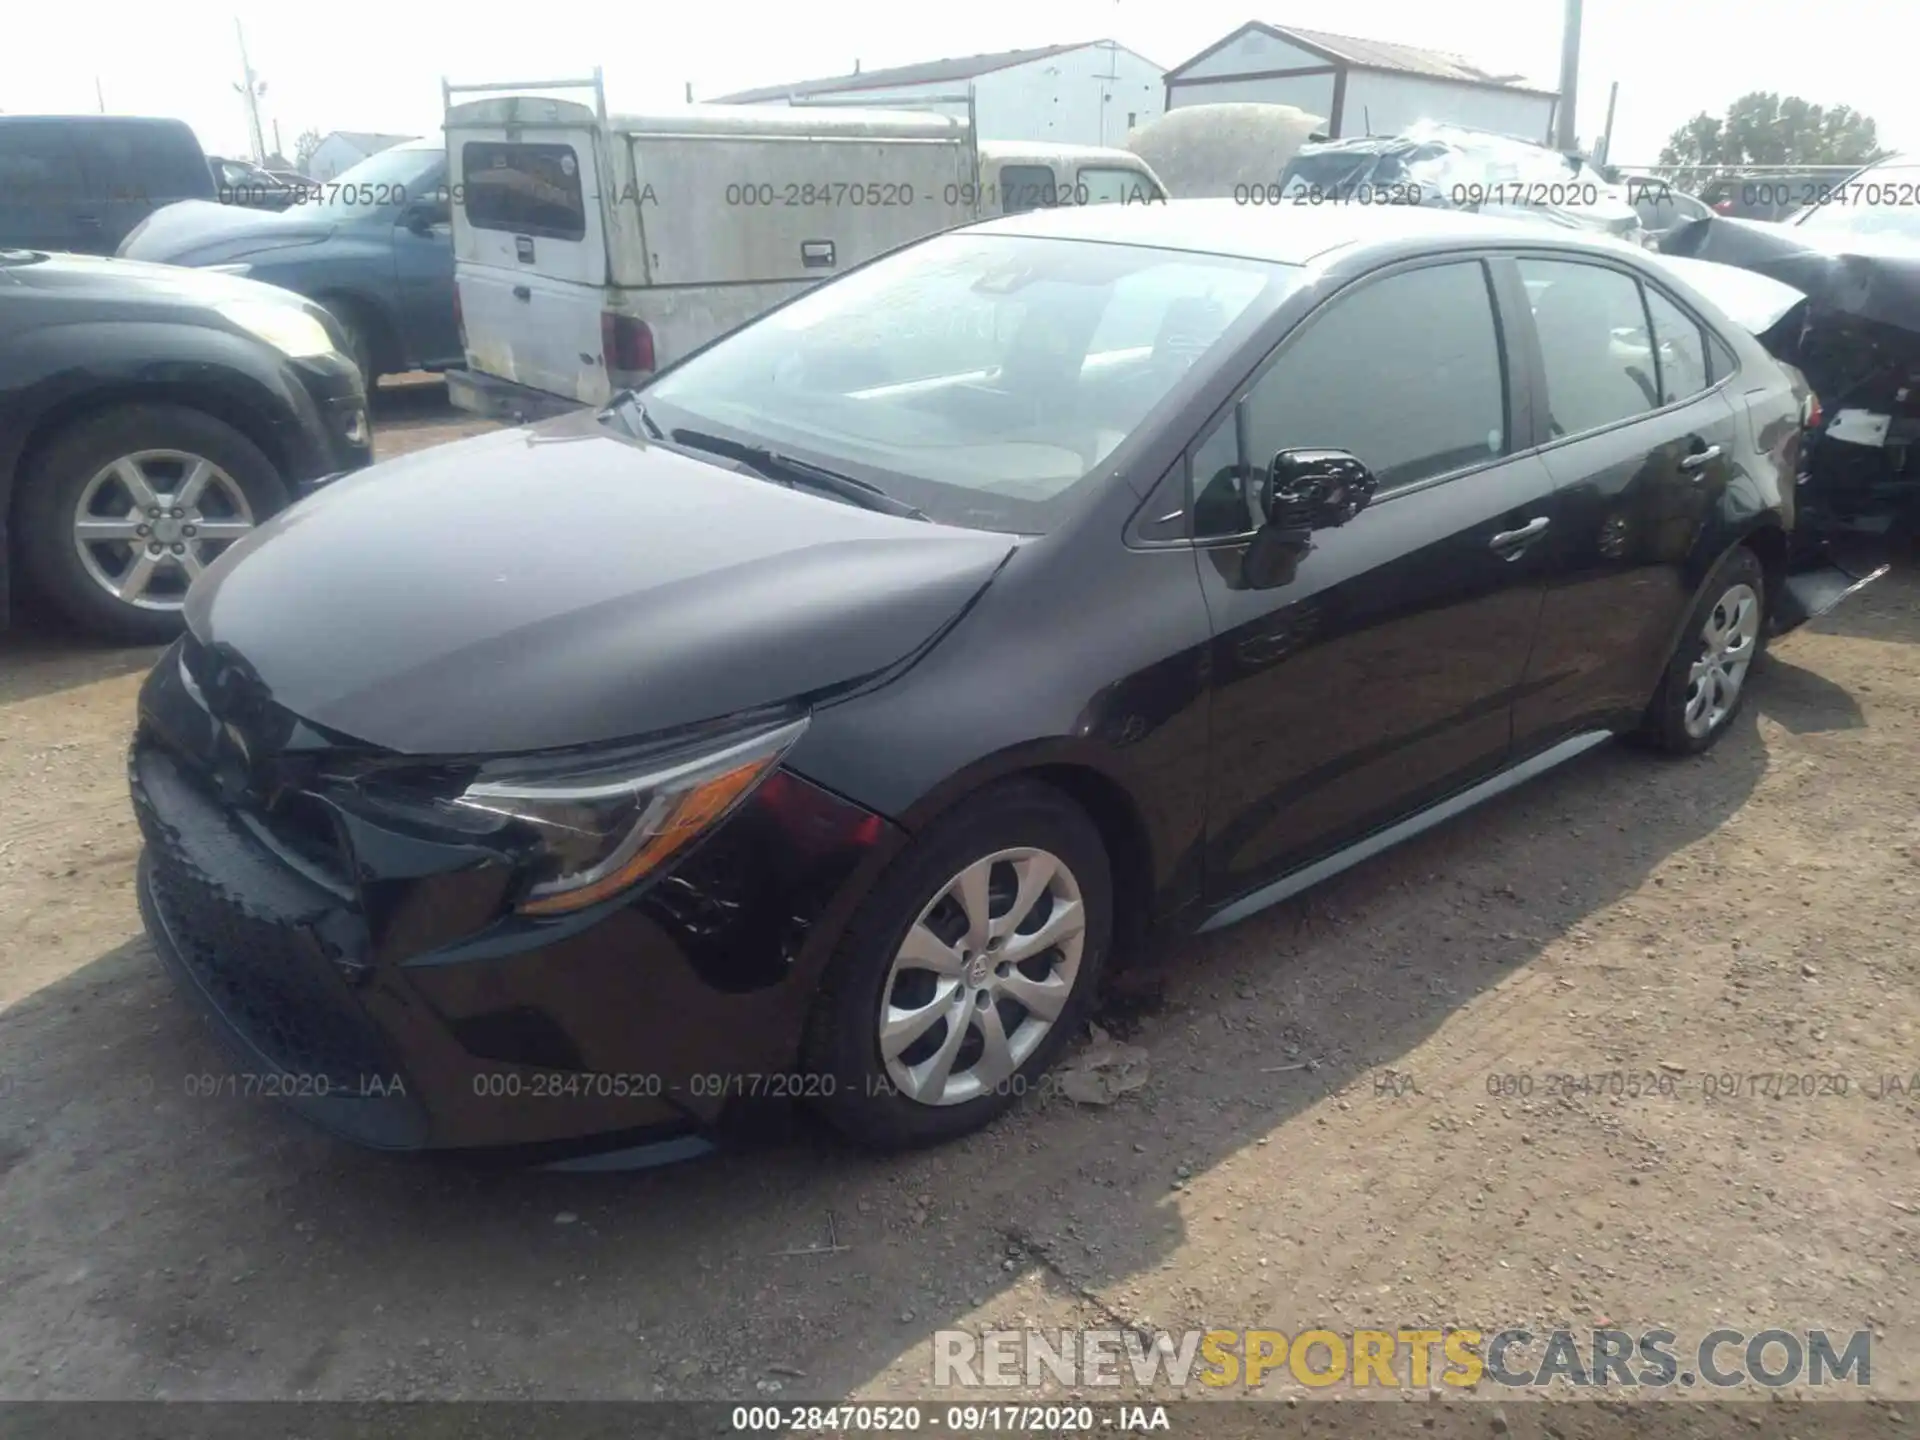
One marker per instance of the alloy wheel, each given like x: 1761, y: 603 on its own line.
x: 148, y: 523
x: 981, y: 977
x: 1728, y: 640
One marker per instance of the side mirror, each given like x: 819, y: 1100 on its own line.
x: 421, y: 218
x: 1307, y: 490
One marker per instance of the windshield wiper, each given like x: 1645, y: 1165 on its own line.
x: 626, y: 404
x: 786, y: 470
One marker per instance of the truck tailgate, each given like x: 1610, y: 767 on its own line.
x: 533, y: 330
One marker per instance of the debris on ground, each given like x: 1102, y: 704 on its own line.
x: 1104, y: 1071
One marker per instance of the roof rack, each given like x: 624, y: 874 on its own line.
x: 595, y: 82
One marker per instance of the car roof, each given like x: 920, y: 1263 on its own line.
x: 1288, y: 234
x: 101, y: 121
x: 1054, y: 150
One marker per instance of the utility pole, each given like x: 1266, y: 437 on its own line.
x: 1563, y: 129
x: 99, y: 95
x: 251, y: 89
x: 1106, y: 79
x: 1606, y: 135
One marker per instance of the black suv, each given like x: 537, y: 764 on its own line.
x: 150, y: 416
x: 82, y: 182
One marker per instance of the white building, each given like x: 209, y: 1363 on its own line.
x: 1090, y: 94
x: 1361, y: 87
x: 344, y: 149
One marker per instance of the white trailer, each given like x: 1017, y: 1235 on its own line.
x: 591, y: 249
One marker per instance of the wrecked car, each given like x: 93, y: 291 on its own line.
x: 1452, y: 167
x: 845, y: 694
x: 1855, y: 335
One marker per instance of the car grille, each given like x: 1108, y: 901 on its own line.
x: 269, y: 948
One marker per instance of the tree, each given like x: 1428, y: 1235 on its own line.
x: 1762, y: 130
x: 304, y: 147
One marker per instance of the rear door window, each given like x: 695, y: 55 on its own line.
x: 1027, y: 187
x: 1679, y: 347
x: 1594, y: 344
x: 523, y: 189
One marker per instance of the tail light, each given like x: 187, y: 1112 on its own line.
x: 626, y: 344
x: 1813, y: 414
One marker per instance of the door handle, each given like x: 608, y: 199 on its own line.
x: 522, y: 292
x: 1516, y: 540
x: 1700, y: 457
x: 92, y: 222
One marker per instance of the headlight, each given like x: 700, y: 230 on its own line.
x: 601, y: 831
x: 238, y: 269
x: 288, y: 328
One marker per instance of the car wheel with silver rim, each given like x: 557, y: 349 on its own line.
x: 967, y: 971
x: 1711, y: 668
x: 148, y: 523
x: 982, y: 976
x: 122, y: 510
x: 1728, y: 640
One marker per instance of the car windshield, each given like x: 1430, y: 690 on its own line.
x: 978, y: 377
x: 1881, y: 200
x: 388, y: 180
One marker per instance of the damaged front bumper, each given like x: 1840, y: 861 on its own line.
x: 369, y: 971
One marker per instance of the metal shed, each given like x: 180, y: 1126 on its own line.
x: 1363, y: 87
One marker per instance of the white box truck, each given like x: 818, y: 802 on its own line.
x: 591, y: 249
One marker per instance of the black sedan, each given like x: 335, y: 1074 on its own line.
x: 820, y: 721
x: 150, y: 417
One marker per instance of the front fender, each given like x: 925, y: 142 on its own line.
x: 1042, y: 674
x: 62, y: 372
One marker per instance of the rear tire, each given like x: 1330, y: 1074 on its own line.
x: 67, y: 492
x: 943, y: 967
x: 1712, y: 667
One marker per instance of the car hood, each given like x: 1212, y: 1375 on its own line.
x: 1871, y: 277
x: 200, y: 231
x: 560, y: 585
x: 1753, y: 301
x: 138, y: 282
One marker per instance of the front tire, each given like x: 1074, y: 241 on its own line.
x: 966, y: 972
x: 1707, y: 679
x: 119, y: 513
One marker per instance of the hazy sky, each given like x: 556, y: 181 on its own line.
x: 351, y: 65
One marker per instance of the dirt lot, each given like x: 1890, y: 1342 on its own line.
x: 1317, y: 1145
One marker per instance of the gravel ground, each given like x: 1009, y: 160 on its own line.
x: 1322, y: 1140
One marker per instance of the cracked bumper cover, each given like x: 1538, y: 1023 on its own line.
x: 394, y: 999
